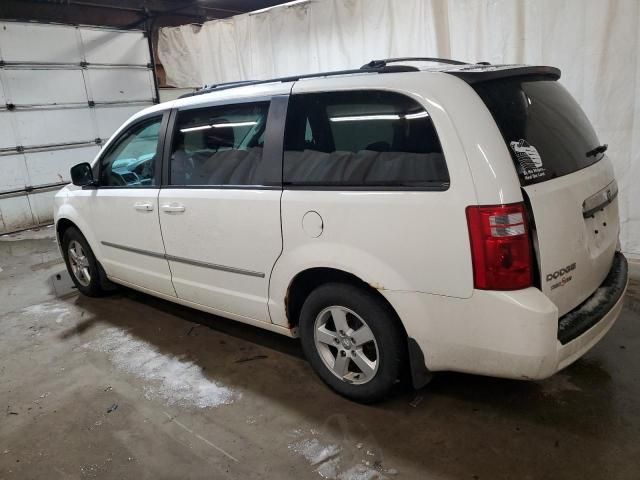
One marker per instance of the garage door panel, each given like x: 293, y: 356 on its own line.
x: 25, y: 87
x: 42, y: 206
x: 3, y: 98
x: 7, y: 133
x: 15, y: 214
x: 36, y: 43
x: 14, y: 172
x: 53, y: 166
x: 113, y: 47
x: 62, y: 106
x: 110, y: 118
x: 120, y: 85
x: 50, y: 127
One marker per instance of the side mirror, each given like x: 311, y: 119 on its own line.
x: 82, y: 175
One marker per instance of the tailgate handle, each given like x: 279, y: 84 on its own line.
x: 600, y: 200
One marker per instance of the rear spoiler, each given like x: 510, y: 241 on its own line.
x: 484, y: 73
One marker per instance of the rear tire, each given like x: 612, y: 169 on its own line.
x: 85, y: 271
x: 352, y: 340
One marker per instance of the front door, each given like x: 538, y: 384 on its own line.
x: 125, y: 208
x: 220, y: 207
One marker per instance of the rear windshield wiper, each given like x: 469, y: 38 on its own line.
x: 599, y: 149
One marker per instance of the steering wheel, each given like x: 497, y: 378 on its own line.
x: 116, y: 180
x: 145, y: 169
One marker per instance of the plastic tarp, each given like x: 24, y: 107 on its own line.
x: 596, y: 44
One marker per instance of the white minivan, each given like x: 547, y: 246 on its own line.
x: 398, y: 218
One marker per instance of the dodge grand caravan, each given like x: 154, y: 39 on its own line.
x: 397, y: 218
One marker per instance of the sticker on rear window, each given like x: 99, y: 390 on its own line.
x: 529, y: 160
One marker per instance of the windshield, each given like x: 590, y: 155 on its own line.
x: 546, y: 131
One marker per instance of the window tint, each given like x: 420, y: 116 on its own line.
x: 131, y: 161
x: 361, y: 138
x: 219, y: 145
x: 546, y: 131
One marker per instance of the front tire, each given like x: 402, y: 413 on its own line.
x: 352, y: 340
x: 84, y: 269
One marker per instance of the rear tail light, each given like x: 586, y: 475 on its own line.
x: 500, y: 247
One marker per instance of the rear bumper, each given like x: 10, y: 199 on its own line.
x: 508, y: 334
x: 597, y: 307
x: 573, y: 350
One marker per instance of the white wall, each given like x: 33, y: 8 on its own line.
x: 168, y: 94
x: 596, y: 43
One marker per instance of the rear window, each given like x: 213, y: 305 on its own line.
x: 546, y: 131
x: 362, y: 139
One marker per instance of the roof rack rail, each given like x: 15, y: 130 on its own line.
x: 215, y: 86
x: 227, y: 84
x: 294, y: 78
x: 384, y: 62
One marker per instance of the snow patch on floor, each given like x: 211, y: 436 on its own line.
x: 60, y: 311
x: 360, y: 472
x: 328, y: 462
x: 314, y: 451
x: 171, y: 379
x: 329, y: 469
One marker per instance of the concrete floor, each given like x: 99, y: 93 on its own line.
x: 133, y: 387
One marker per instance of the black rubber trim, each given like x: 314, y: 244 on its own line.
x: 367, y: 188
x: 420, y: 374
x: 167, y: 145
x: 162, y: 147
x: 593, y: 309
x: 270, y: 167
x: 221, y: 187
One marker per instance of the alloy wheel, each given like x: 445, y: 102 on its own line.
x: 79, y: 263
x: 346, y: 345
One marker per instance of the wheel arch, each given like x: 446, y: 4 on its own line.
x: 304, y: 282
x: 68, y: 216
x: 62, y: 225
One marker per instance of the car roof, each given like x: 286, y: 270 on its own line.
x: 469, y: 72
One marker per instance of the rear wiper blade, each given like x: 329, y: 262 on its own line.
x: 599, y: 149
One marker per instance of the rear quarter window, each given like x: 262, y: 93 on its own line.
x: 365, y: 139
x: 546, y: 131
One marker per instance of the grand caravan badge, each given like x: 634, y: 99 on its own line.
x: 529, y: 160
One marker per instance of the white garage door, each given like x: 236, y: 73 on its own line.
x: 63, y: 91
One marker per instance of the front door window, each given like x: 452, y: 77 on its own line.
x: 131, y: 160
